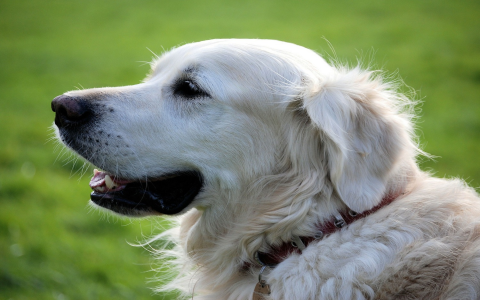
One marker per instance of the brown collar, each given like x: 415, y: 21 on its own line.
x: 281, y: 252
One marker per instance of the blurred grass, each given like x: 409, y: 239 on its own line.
x: 52, y: 247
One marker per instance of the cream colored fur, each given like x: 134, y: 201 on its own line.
x: 286, y: 141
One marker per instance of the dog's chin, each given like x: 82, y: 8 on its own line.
x: 167, y: 195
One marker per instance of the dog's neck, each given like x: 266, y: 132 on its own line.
x: 224, y: 239
x: 270, y: 252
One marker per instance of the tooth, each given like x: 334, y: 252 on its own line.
x: 109, y: 182
x: 100, y: 189
x: 95, y: 172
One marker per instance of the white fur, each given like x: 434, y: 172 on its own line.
x: 286, y: 141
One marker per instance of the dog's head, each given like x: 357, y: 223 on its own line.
x: 217, y: 117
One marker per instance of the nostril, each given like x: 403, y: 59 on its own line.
x: 70, y: 110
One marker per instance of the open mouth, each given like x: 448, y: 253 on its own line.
x: 169, y: 194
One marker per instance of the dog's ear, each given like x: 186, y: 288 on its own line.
x: 362, y: 135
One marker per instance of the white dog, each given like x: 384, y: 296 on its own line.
x: 296, y: 179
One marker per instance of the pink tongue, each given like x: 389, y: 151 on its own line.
x: 98, y: 179
x: 97, y: 183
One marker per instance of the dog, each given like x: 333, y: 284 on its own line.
x: 293, y: 178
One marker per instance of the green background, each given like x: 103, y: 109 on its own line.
x: 53, y: 247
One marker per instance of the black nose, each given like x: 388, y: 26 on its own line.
x: 70, y: 111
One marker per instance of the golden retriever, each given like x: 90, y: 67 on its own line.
x: 294, y: 179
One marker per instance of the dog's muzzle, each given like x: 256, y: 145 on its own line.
x: 76, y: 118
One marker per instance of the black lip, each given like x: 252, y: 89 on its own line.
x: 168, y: 196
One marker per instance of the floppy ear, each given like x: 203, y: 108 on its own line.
x: 362, y: 135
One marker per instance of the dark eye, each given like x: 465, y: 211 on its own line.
x: 188, y: 89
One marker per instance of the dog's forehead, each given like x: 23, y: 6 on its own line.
x: 239, y: 55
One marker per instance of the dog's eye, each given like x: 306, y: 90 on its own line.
x: 188, y: 89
